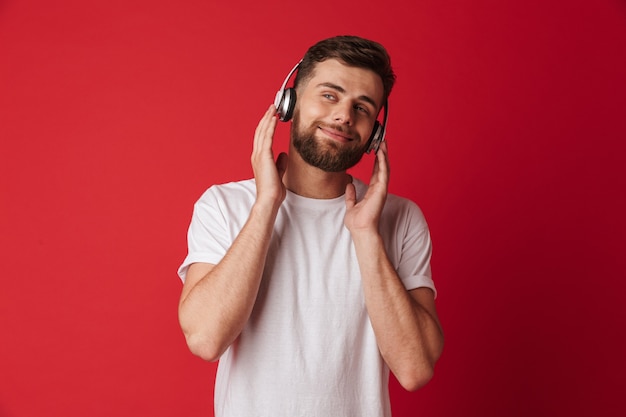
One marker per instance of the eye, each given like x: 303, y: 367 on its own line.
x: 329, y: 96
x: 361, y: 109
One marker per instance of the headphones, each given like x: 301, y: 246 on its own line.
x: 285, y: 102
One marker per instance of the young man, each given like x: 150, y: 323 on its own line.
x: 306, y: 284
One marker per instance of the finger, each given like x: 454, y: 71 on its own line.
x: 350, y: 196
x: 382, y: 163
x: 267, y: 138
x: 383, y: 147
x: 265, y: 129
x: 265, y: 123
x: 260, y: 128
x: 376, y: 168
x: 264, y: 119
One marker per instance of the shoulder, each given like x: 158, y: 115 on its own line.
x: 237, y: 191
x: 395, y: 205
x: 228, y: 200
x: 398, y: 210
x: 401, y: 210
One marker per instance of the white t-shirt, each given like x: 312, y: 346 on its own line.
x: 309, y: 347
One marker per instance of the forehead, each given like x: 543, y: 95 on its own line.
x: 354, y: 80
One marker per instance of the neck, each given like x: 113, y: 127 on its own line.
x: 309, y: 181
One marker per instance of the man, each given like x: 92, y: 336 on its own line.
x: 306, y: 284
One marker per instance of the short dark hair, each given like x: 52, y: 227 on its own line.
x: 353, y: 51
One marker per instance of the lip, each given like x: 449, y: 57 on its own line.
x: 336, y: 134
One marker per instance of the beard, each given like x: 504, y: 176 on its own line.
x: 326, y: 155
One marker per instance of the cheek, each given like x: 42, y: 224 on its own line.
x: 311, y: 108
x: 310, y: 112
x: 366, y: 130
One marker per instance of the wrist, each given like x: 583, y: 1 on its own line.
x: 366, y: 237
x: 266, y: 208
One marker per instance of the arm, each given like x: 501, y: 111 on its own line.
x: 217, y: 300
x: 405, y: 323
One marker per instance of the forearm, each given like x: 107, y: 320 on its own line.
x: 407, y: 331
x: 215, y: 309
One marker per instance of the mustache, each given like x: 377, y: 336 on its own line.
x: 339, y: 128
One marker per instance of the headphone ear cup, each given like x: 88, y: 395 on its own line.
x: 376, y: 137
x: 287, y: 104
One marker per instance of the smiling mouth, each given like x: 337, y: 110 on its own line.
x: 336, y: 134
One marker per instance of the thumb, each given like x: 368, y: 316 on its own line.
x: 281, y: 164
x: 350, y: 196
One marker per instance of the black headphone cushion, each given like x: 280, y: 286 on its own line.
x: 287, y: 104
x: 377, y: 132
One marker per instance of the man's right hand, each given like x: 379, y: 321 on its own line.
x: 268, y: 173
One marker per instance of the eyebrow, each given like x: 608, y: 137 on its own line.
x: 342, y: 90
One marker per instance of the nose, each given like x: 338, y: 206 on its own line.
x: 343, y: 113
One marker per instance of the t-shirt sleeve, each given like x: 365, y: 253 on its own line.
x: 415, y: 262
x: 415, y: 251
x: 207, y: 236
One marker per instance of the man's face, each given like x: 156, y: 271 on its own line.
x: 335, y: 114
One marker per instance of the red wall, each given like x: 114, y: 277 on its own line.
x: 507, y: 126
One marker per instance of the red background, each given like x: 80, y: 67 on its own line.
x: 507, y: 126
